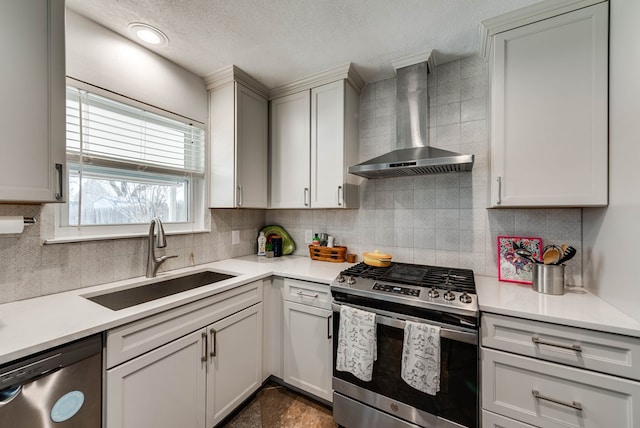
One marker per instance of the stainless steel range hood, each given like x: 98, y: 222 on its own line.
x: 413, y: 156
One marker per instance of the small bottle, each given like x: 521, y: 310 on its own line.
x: 262, y: 244
x: 330, y: 241
x: 316, y: 240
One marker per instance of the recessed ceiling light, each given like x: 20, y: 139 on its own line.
x: 148, y: 34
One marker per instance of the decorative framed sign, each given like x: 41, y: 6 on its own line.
x: 513, y: 267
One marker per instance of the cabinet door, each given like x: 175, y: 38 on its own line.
x: 492, y: 420
x: 308, y: 349
x: 549, y: 112
x: 235, y: 362
x: 551, y: 395
x: 33, y: 95
x: 253, y: 157
x: 290, y: 151
x: 327, y: 145
x: 162, y: 388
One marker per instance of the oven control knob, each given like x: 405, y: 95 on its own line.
x: 351, y: 280
x: 340, y: 279
x: 465, y: 298
x: 449, y: 295
x: 433, y: 293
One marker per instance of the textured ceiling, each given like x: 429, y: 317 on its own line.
x: 277, y: 41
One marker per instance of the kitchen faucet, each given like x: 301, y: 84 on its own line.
x: 153, y: 262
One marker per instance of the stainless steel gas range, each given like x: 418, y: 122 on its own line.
x: 437, y: 296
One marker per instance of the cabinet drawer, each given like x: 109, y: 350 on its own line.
x: 566, y: 396
x: 491, y: 420
x: 136, y: 338
x: 604, y: 352
x: 308, y: 293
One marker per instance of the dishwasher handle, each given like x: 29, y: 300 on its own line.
x: 7, y: 395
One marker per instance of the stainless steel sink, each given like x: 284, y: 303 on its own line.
x: 121, y: 299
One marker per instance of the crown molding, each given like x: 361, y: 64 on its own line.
x: 426, y: 56
x: 341, y: 72
x: 230, y: 74
x: 524, y: 16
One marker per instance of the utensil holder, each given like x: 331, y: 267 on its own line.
x: 548, y: 279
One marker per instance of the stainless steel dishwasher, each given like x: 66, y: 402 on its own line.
x: 59, y: 388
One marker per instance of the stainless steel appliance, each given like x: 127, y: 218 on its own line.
x: 413, y: 155
x: 439, y: 296
x: 59, y: 388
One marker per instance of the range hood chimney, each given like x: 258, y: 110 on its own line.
x: 413, y: 156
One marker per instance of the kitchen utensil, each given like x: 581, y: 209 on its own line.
x: 523, y: 252
x: 377, y: 259
x: 551, y: 254
x: 568, y: 255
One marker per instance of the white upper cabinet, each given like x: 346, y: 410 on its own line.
x: 290, y: 151
x: 549, y: 105
x: 314, y: 139
x: 32, y: 83
x: 239, y: 142
x: 334, y: 145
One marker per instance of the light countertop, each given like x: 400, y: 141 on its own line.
x: 33, y: 325
x: 577, y: 307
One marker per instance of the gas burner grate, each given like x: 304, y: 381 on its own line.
x: 454, y: 279
x: 363, y: 270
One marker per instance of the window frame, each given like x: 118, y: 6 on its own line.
x: 198, y: 222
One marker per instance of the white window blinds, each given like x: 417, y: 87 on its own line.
x: 104, y: 132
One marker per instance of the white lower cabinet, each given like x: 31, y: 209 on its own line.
x: 235, y: 362
x: 194, y: 380
x: 307, y: 349
x: 493, y: 420
x: 551, y: 395
x: 307, y: 338
x: 551, y: 376
x: 162, y: 388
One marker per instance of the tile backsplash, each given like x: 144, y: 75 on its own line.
x: 433, y: 219
x: 30, y: 269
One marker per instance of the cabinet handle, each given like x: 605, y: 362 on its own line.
x: 204, y: 350
x: 306, y: 196
x: 537, y: 341
x: 574, y: 404
x: 214, y: 346
x: 339, y: 196
x: 239, y: 196
x: 60, y: 193
x: 300, y: 293
x: 329, y: 336
x: 499, y: 201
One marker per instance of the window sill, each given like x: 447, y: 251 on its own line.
x: 111, y: 236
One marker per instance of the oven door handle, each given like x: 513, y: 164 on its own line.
x: 447, y: 333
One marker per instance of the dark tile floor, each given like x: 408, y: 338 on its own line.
x: 275, y: 406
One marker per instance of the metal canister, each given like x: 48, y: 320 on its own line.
x: 548, y: 279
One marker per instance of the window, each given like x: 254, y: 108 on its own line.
x: 126, y: 165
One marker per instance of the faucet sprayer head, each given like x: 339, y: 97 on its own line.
x: 161, y: 241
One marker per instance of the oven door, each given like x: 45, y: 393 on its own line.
x: 455, y: 405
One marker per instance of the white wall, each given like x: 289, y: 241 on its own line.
x: 612, y: 234
x: 105, y: 59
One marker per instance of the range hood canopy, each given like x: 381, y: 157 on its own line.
x: 413, y: 156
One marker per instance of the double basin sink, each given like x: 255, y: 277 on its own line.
x: 122, y: 299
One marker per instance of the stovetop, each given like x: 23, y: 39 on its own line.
x: 431, y: 287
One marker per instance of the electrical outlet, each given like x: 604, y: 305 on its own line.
x: 308, y: 236
x: 235, y: 237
